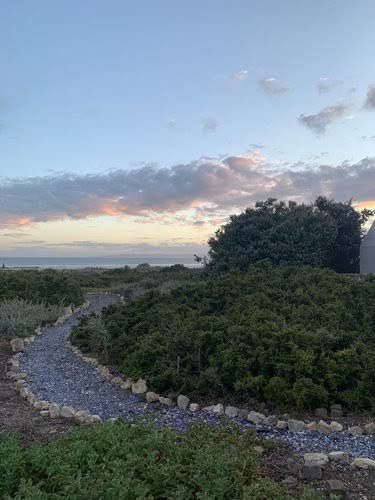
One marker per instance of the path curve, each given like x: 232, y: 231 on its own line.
x: 56, y: 374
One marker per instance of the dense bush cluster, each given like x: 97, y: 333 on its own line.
x: 324, y: 234
x: 125, y: 461
x: 20, y: 318
x: 49, y: 287
x: 294, y: 336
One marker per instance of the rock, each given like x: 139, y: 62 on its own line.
x: 83, y: 417
x: 31, y: 398
x: 312, y: 427
x: 340, y: 457
x: 127, y: 384
x: 17, y: 345
x: 293, y: 466
x: 290, y: 482
x: 24, y: 392
x: 363, y: 463
x: 296, y: 425
x: 336, y: 427
x: 316, y: 459
x: 218, y: 409
x: 139, y: 387
x: 324, y: 427
x: 336, y: 410
x: 194, y: 407
x: 20, y: 384
x: 183, y: 402
x: 54, y: 410
x: 370, y: 428
x: 41, y: 405
x: 231, y: 411
x: 44, y: 413
x: 310, y: 471
x: 95, y: 419
x: 18, y: 376
x: 271, y: 420
x: 355, y: 431
x: 321, y: 412
x: 258, y: 449
x: 282, y: 424
x: 255, y: 417
x: 165, y: 401
x: 104, y: 372
x: 117, y: 380
x: 207, y: 409
x: 68, y: 412
x: 152, y: 397
x: 336, y: 487
x: 243, y: 414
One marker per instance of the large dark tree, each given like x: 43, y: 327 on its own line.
x: 324, y: 233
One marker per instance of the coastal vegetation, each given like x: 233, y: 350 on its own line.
x: 290, y: 336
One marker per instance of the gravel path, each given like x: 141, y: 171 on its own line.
x: 56, y: 374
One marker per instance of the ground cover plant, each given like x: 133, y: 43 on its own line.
x: 49, y: 287
x: 293, y: 336
x: 20, y: 318
x: 137, y: 461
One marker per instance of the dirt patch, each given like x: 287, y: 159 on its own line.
x: 16, y: 416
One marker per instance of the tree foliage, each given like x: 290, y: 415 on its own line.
x: 324, y: 234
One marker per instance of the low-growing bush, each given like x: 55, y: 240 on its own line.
x: 142, y: 461
x: 50, y: 287
x: 294, y: 336
x: 20, y: 318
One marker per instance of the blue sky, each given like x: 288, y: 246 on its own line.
x: 91, y: 86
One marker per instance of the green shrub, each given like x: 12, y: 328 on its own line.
x: 50, y: 287
x: 92, y: 335
x: 298, y: 336
x: 142, y: 461
x: 19, y: 318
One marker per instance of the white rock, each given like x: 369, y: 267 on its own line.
x: 282, y: 424
x: 255, y: 417
x: 324, y: 427
x: 316, y: 459
x: 355, y: 431
x: 54, y: 410
x: 44, y: 413
x: 165, y: 401
x: 194, y: 407
x: 336, y: 427
x: 218, y: 409
x: 41, y: 405
x: 139, y: 387
x: 339, y: 456
x: 312, y: 427
x: 83, y: 417
x: 152, y: 397
x: 363, y: 463
x: 17, y: 345
x: 370, y: 428
x: 117, y: 380
x: 296, y: 425
x: 127, y: 384
x: 231, y: 411
x: 183, y: 402
x: 68, y: 412
x: 95, y: 419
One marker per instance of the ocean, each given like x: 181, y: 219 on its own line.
x: 83, y: 262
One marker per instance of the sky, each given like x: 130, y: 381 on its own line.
x: 138, y: 127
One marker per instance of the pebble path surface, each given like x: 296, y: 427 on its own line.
x: 56, y: 374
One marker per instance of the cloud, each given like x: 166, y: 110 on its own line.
x: 272, y: 87
x: 370, y: 99
x: 171, y: 123
x: 368, y: 137
x: 210, y: 124
x: 240, y: 76
x: 207, y: 189
x: 325, y: 85
x: 320, y: 121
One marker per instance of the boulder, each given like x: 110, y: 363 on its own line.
x: 296, y: 425
x: 183, y: 402
x: 321, y: 412
x: 218, y: 409
x: 324, y: 427
x: 231, y: 411
x: 139, y: 387
x: 165, y: 401
x: 83, y: 417
x: 243, y: 414
x: 312, y: 427
x: 355, y: 431
x: 282, y: 424
x: 340, y: 457
x: 310, y: 471
x: 316, y: 459
x: 117, y: 380
x: 17, y: 345
x: 336, y: 427
x: 44, y: 413
x: 127, y: 384
x: 271, y: 420
x: 41, y: 405
x: 95, y: 419
x: 336, y: 487
x: 255, y: 417
x: 194, y: 407
x: 54, y: 410
x: 363, y: 463
x: 68, y: 412
x: 152, y: 397
x: 370, y: 428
